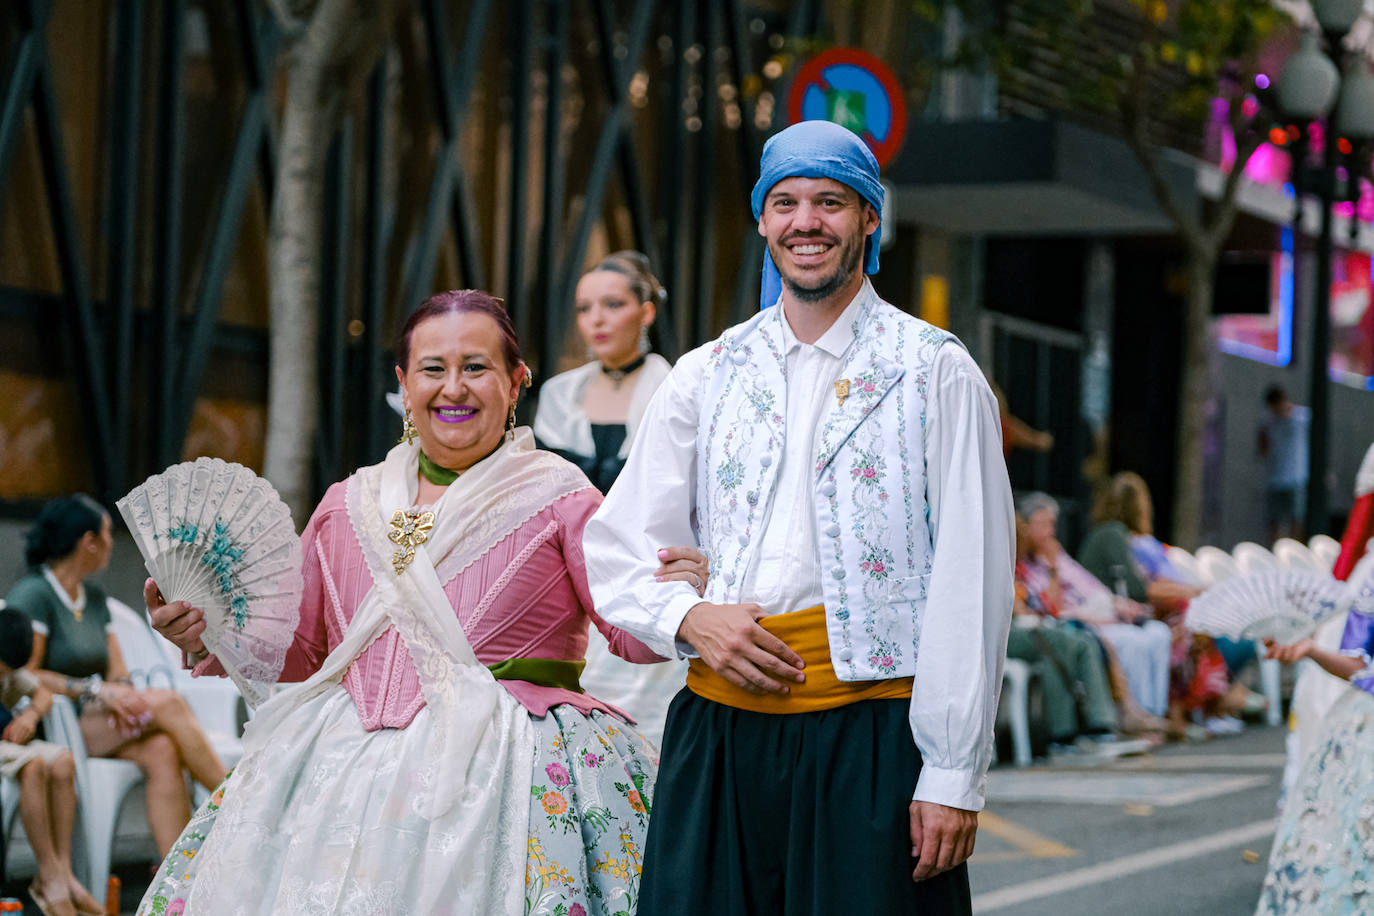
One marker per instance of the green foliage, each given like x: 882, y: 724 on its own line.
x: 1169, y: 58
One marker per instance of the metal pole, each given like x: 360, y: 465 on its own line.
x: 1318, y: 388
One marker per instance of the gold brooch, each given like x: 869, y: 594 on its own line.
x: 408, y: 530
x: 841, y: 391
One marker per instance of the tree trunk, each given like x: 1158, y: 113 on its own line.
x: 1194, y: 391
x: 334, y: 54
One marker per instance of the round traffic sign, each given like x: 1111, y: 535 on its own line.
x: 856, y: 90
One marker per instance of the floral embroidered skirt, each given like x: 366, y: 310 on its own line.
x: 332, y: 832
x: 1322, y: 863
x: 589, y: 814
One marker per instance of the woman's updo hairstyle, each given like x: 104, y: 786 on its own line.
x: 60, y: 527
x: 461, y: 300
x: 634, y: 267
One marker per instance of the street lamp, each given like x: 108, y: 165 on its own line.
x: 1307, y: 89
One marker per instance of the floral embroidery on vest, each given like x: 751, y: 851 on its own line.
x: 869, y: 452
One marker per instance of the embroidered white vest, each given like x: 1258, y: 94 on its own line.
x: 871, y: 513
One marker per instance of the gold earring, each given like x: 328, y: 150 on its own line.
x: 408, y: 430
x: 510, y: 425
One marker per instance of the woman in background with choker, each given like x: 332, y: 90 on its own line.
x: 589, y: 414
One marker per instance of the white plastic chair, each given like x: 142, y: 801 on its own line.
x: 1293, y: 554
x: 112, y: 811
x: 155, y: 662
x: 101, y: 789
x: 1216, y: 564
x: 1253, y: 558
x: 1325, y: 549
x: 1187, y: 566
x: 1015, y: 693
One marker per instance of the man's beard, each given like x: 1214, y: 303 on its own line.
x: 850, y: 254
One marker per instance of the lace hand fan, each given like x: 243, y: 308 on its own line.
x: 1284, y: 605
x: 217, y: 536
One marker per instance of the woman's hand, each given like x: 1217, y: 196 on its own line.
x: 683, y: 564
x: 1128, y: 611
x: 128, y: 708
x: 178, y: 622
x: 22, y: 727
x: 1294, y: 653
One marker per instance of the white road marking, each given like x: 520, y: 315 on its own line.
x: 1117, y: 787
x: 1119, y: 868
x: 1205, y: 762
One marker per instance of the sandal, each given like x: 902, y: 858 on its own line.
x: 45, y: 906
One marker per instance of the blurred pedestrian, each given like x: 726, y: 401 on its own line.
x: 1282, y: 443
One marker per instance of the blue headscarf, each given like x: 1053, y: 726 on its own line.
x: 817, y: 149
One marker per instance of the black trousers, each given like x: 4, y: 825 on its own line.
x: 795, y: 815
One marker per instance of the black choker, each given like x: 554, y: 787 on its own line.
x: 618, y: 375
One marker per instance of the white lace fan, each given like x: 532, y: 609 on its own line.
x: 217, y: 536
x: 1284, y: 605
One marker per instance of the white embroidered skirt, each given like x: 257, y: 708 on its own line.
x: 330, y: 827
x: 1322, y: 863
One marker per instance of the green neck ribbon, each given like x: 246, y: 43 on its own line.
x: 439, y: 476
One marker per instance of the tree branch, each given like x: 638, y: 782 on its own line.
x: 1136, y: 124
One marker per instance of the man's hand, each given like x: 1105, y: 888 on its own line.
x: 729, y: 639
x: 178, y: 622
x: 941, y: 838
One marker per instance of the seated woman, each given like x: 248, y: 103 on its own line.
x: 437, y: 753
x: 46, y: 774
x: 589, y: 415
x: 1138, y: 644
x: 76, y: 654
x: 1200, y: 684
x: 1077, y: 695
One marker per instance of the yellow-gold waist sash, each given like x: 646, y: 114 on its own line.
x: 805, y: 633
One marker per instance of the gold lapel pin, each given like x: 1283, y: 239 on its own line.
x: 841, y: 391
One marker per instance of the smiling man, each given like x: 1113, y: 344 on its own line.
x: 840, y: 463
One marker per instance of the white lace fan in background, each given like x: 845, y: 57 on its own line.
x: 217, y: 536
x: 1284, y: 605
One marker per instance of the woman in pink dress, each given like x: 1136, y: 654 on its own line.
x: 437, y: 754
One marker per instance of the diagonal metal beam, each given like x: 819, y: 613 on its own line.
x: 121, y: 224
x: 704, y: 232
x: 75, y: 283
x: 449, y: 187
x: 376, y: 235
x: 259, y: 46
x: 546, y: 334
x: 167, y: 242
x: 333, y: 348
x: 210, y: 293
x: 675, y: 168
x: 613, y: 133
x: 18, y: 91
x: 518, y: 196
x: 619, y: 75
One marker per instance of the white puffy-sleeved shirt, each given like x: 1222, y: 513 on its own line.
x: 968, y: 605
